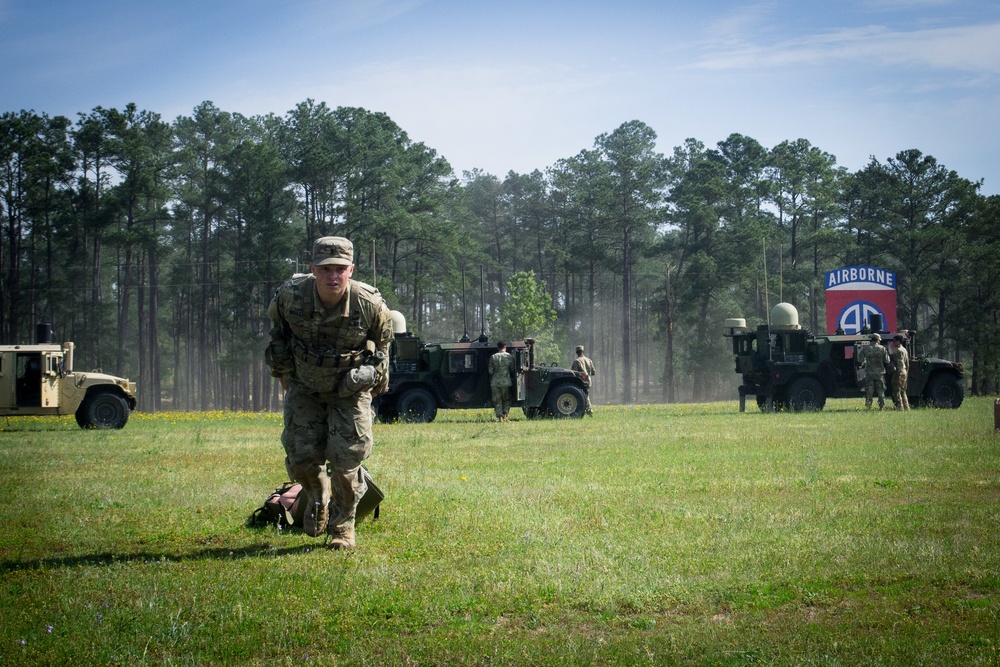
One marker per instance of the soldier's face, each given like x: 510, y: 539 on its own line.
x: 331, y: 281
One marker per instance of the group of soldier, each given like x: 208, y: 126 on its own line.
x: 875, y: 360
x: 502, y: 379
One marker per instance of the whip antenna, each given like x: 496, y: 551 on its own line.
x: 482, y: 306
x: 767, y: 305
x: 465, y: 319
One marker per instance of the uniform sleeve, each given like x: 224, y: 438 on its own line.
x: 278, y: 355
x: 381, y: 335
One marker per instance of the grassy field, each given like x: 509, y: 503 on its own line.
x: 648, y: 535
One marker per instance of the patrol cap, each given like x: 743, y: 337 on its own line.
x: 876, y: 337
x: 332, y: 250
x: 579, y: 348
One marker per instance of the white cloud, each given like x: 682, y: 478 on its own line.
x: 968, y: 48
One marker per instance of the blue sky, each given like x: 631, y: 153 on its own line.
x: 518, y: 85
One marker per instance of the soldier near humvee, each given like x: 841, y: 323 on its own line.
x: 583, y: 364
x: 874, y: 359
x: 501, y: 372
x: 901, y: 367
x: 326, y: 336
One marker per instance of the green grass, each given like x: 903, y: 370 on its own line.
x: 688, y: 534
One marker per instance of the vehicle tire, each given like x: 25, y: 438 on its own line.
x: 416, y: 406
x: 102, y: 409
x: 531, y: 413
x: 806, y: 394
x: 567, y: 400
x: 944, y: 391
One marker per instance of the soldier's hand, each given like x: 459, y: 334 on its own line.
x: 283, y: 381
x: 357, y: 379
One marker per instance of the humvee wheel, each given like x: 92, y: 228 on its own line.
x: 416, y: 406
x: 944, y: 392
x: 806, y: 394
x: 102, y: 410
x: 567, y: 401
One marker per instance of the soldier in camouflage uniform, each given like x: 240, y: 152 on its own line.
x: 501, y: 368
x: 327, y: 331
x: 901, y: 361
x: 874, y: 360
x: 584, y: 365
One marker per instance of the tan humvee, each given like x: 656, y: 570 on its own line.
x: 40, y: 380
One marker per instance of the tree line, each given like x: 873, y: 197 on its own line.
x: 157, y: 245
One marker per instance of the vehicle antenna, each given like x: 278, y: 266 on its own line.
x: 767, y: 305
x: 482, y: 307
x: 465, y: 319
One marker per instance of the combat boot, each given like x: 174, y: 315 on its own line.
x: 316, y: 496
x: 341, y: 537
x: 318, y: 509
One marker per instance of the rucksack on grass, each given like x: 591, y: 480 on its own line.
x: 283, y: 509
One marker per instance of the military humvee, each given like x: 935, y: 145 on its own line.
x: 787, y: 367
x: 424, y: 377
x: 39, y: 380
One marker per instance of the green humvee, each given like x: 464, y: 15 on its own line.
x: 787, y: 367
x: 424, y: 377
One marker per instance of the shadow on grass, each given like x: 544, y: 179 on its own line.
x: 107, y: 558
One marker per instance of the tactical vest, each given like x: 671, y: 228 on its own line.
x: 324, y: 343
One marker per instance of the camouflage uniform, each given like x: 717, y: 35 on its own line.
x: 901, y: 360
x: 584, y: 365
x: 319, y: 351
x: 501, y: 367
x: 874, y: 358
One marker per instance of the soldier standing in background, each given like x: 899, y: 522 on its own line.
x: 874, y: 360
x: 586, y: 366
x: 327, y: 331
x: 901, y: 361
x: 501, y: 369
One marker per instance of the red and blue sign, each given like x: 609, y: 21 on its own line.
x: 855, y: 293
